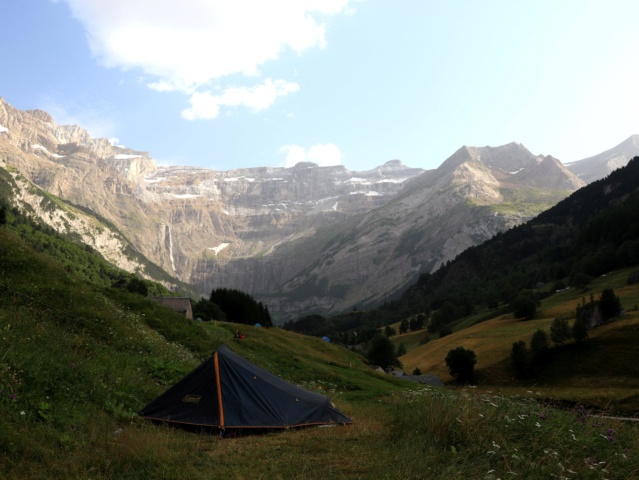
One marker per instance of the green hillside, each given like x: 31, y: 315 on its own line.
x: 77, y: 360
x: 601, y: 372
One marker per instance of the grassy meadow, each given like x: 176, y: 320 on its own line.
x: 603, y: 372
x: 77, y: 361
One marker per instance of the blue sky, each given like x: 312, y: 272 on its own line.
x: 247, y: 83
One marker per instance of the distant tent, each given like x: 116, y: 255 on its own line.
x: 326, y: 339
x: 227, y: 391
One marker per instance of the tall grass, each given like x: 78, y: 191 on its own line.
x: 469, y: 434
x: 77, y: 361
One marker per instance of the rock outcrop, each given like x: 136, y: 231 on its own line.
x: 302, y: 239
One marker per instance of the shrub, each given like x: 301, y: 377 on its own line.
x: 461, y: 364
x: 539, y: 341
x: 519, y: 359
x: 609, y: 304
x: 445, y: 330
x: 381, y: 352
x: 579, y: 280
x: 560, y: 331
x: 403, y: 326
x: 524, y: 307
x: 579, y: 330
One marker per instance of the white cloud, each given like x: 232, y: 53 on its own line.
x: 207, y: 105
x: 323, y: 154
x: 294, y: 155
x: 185, y: 45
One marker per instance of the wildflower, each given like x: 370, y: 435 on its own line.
x: 22, y: 412
x: 13, y: 396
x: 543, y: 416
x: 537, y: 424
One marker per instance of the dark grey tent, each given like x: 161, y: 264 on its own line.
x: 227, y: 391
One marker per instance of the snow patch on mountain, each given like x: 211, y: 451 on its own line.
x: 370, y: 193
x: 237, y: 179
x: 185, y: 195
x: 40, y: 147
x: 219, y: 248
x: 392, y: 180
x: 150, y: 179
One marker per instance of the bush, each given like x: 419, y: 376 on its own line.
x: 539, y: 350
x: 579, y: 280
x: 381, y: 352
x: 445, y: 330
x: 524, y: 307
x: 579, y: 330
x: 461, y: 364
x: 403, y: 326
x: 609, y: 304
x: 137, y: 285
x: 519, y: 359
x: 539, y: 342
x: 560, y: 331
x: 207, y: 311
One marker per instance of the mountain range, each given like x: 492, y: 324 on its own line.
x: 302, y: 239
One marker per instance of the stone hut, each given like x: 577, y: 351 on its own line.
x: 181, y: 305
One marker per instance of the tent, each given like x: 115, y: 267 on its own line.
x: 228, y: 391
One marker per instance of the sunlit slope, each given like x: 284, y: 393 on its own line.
x: 604, y: 372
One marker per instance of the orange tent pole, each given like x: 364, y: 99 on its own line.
x: 219, y: 389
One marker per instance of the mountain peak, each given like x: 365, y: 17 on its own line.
x: 601, y: 165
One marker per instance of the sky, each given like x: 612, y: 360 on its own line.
x: 251, y: 83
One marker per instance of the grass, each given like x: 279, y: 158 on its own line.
x: 603, y: 373
x: 77, y: 361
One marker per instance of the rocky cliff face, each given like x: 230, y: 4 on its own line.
x: 301, y: 239
x: 473, y: 195
x: 193, y: 222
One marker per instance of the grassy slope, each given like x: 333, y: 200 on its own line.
x: 77, y: 361
x: 603, y: 373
